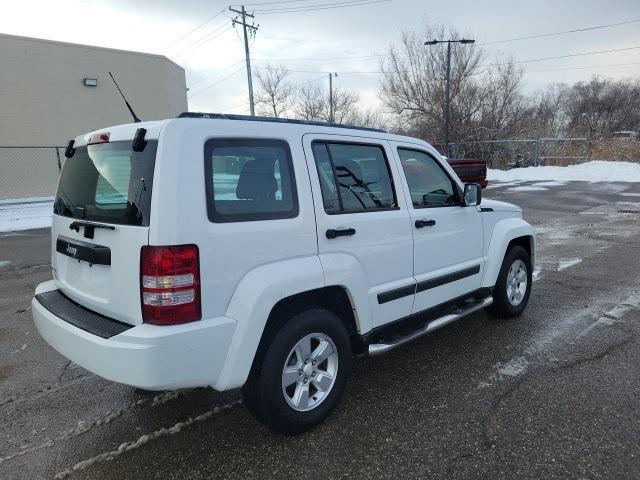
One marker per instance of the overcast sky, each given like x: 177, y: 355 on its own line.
x: 310, y: 40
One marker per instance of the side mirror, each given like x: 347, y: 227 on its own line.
x: 472, y: 194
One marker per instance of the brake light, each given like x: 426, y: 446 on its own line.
x: 170, y: 284
x: 98, y: 138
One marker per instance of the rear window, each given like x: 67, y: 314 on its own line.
x: 248, y: 180
x: 108, y: 182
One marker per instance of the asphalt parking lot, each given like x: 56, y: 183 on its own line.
x: 552, y: 394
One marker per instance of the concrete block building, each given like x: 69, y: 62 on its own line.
x: 52, y: 91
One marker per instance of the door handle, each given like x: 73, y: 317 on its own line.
x: 340, y: 232
x: 425, y: 223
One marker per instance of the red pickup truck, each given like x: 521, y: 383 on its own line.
x: 470, y: 170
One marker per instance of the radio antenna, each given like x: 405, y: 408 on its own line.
x: 135, y: 118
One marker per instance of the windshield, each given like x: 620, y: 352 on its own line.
x: 108, y: 182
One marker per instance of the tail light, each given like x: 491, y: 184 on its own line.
x: 170, y: 284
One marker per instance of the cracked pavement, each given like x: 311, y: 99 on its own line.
x: 551, y: 394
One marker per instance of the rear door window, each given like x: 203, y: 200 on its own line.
x: 249, y: 180
x: 354, y: 177
x: 108, y: 182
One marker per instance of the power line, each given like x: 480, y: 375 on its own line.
x: 380, y: 72
x: 204, y: 39
x: 273, y: 3
x: 543, y: 59
x: 317, y: 58
x: 216, y: 74
x: 193, y: 30
x: 321, y: 77
x: 586, y: 67
x: 575, y: 30
x: 326, y: 6
x: 218, y: 82
x: 486, y: 43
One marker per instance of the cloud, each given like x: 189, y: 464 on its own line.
x: 150, y: 25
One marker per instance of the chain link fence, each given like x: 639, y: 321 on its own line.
x: 28, y: 180
x: 504, y: 154
x: 29, y: 172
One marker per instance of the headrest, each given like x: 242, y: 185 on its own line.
x: 257, y: 180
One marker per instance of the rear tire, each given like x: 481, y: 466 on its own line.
x: 298, y: 378
x: 513, y: 286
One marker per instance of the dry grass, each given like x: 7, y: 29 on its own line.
x: 611, y: 150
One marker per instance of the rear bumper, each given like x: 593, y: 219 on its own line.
x: 146, y: 356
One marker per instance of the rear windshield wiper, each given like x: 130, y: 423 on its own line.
x: 89, y: 227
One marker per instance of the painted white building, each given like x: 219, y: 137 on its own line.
x: 52, y: 91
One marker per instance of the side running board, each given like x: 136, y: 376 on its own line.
x: 380, y: 348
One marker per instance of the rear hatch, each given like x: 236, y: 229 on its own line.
x: 100, y: 223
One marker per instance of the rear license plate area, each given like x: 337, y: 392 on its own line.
x: 84, y: 252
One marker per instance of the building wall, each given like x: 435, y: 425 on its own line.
x: 43, y: 102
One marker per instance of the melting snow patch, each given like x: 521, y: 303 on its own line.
x: 618, y: 312
x: 630, y: 194
x: 525, y: 188
x: 4, y: 263
x: 615, y: 314
x: 25, y: 214
x: 499, y: 184
x: 85, y: 425
x: 549, y: 184
x: 601, y: 321
x: 514, y: 367
x: 563, y: 328
x: 595, y: 171
x: 629, y: 205
x: 565, y: 263
x: 126, y: 446
x: 536, y: 274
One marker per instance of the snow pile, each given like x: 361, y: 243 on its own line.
x: 595, y: 171
x: 25, y: 213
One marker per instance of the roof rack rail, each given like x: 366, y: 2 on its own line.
x: 273, y: 120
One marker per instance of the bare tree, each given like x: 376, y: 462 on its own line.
x: 603, y: 106
x: 275, y: 96
x: 503, y: 109
x: 345, y: 103
x: 413, y: 85
x: 370, y: 118
x: 485, y: 100
x: 548, y: 110
x: 313, y: 104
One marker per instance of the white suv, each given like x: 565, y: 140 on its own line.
x: 244, y: 252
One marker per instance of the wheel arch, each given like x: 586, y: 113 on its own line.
x: 525, y: 241
x: 507, y: 233
x: 261, y: 299
x: 335, y: 298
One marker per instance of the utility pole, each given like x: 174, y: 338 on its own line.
x: 447, y: 100
x: 331, y: 109
x: 253, y: 28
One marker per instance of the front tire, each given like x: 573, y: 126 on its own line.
x: 298, y: 378
x: 513, y: 286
